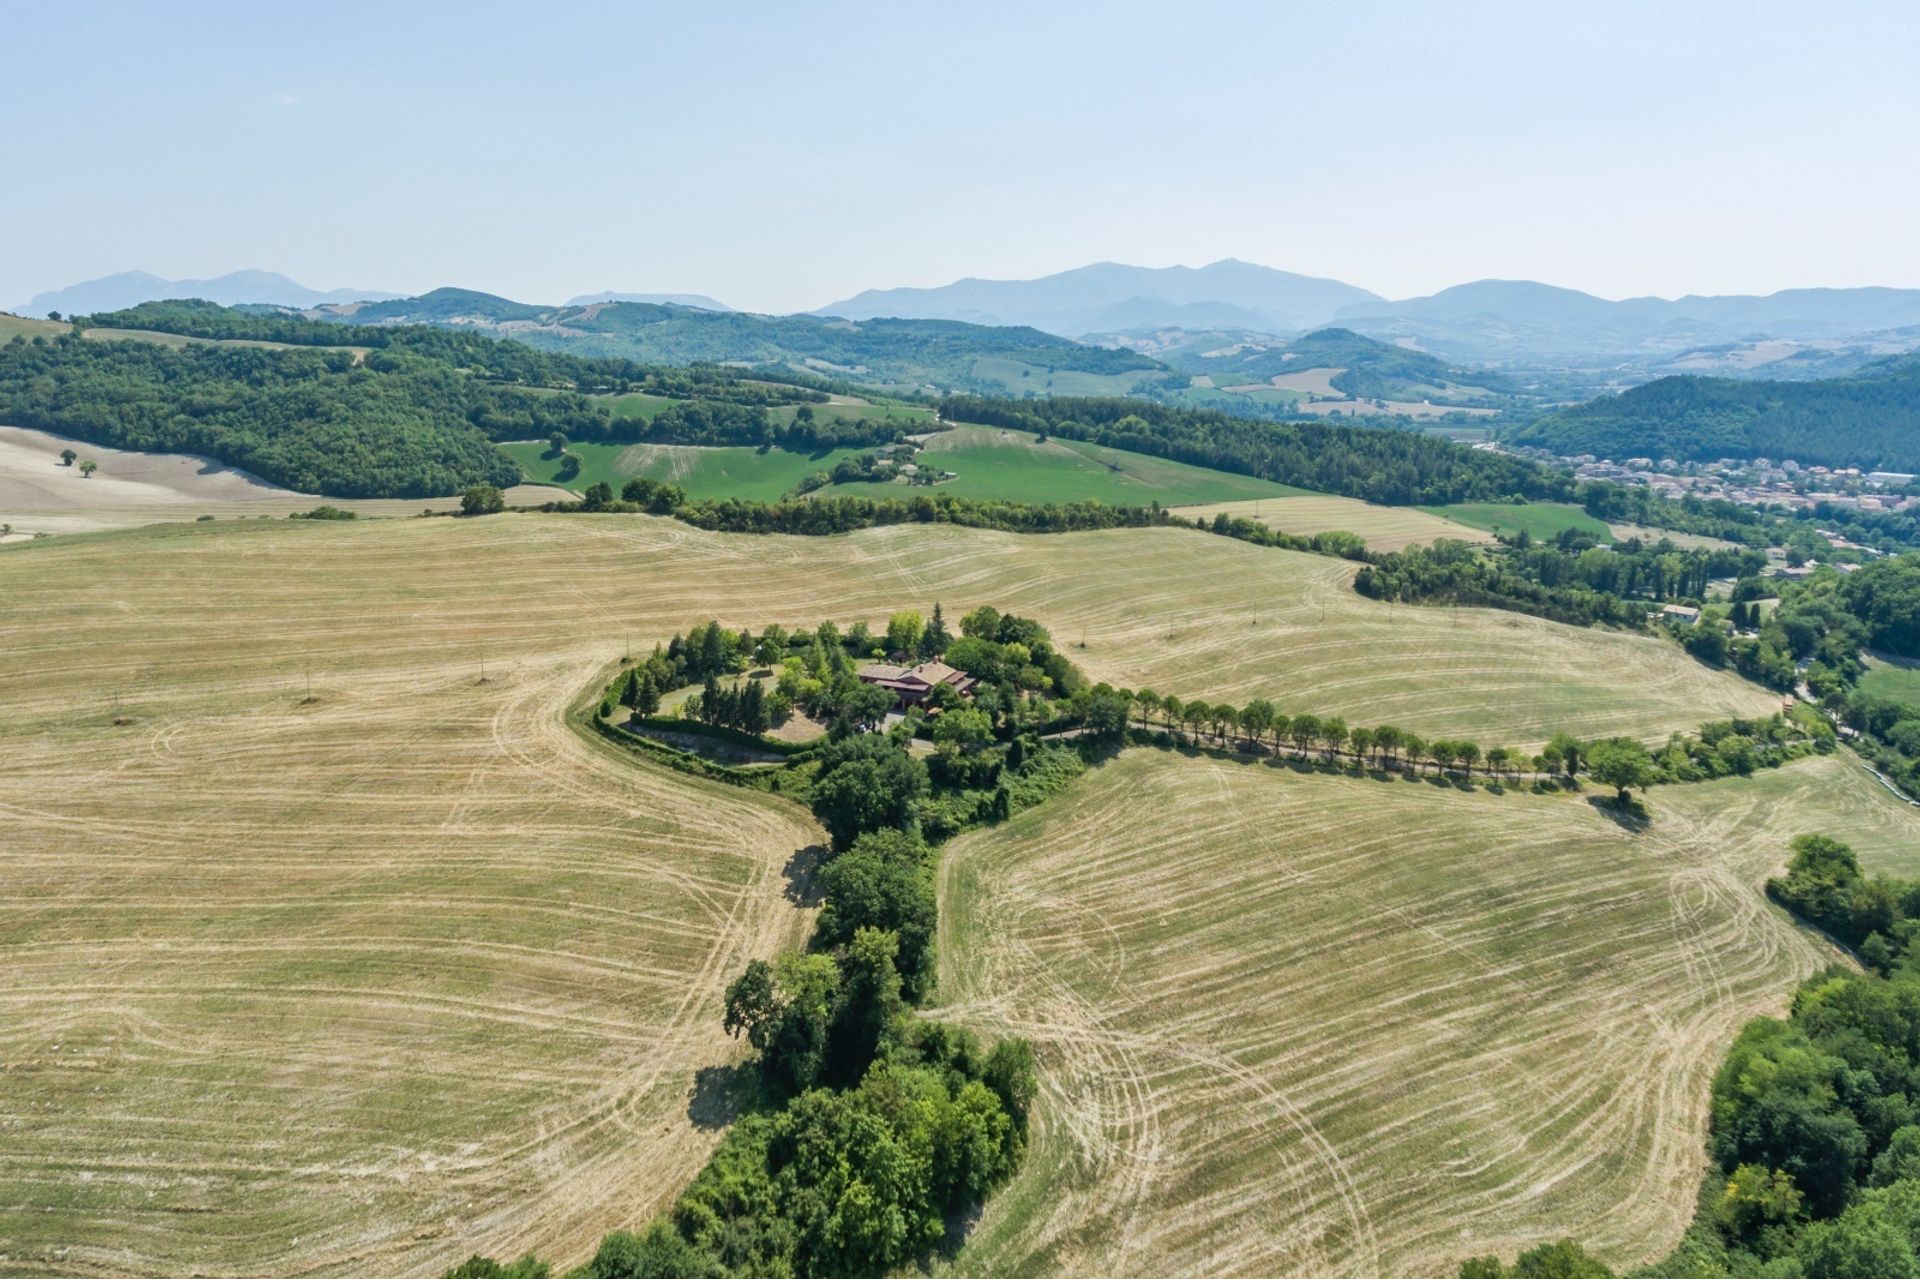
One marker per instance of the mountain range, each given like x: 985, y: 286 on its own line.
x: 1111, y: 297
x: 1504, y: 324
x: 1502, y: 321
x: 131, y: 288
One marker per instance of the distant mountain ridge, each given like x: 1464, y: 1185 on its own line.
x: 1111, y: 295
x: 131, y: 288
x: 1498, y: 321
x: 1490, y: 322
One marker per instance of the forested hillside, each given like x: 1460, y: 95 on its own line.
x: 415, y: 415
x: 1871, y: 420
x: 311, y: 420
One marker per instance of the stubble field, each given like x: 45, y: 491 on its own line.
x: 1321, y: 1026
x: 364, y: 983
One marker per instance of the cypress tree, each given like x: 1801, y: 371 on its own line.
x: 753, y: 708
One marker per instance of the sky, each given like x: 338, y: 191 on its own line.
x: 780, y: 156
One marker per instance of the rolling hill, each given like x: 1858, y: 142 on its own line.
x: 1354, y: 366
x: 945, y: 354
x: 1870, y: 420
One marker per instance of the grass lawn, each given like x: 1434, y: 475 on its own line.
x: 1013, y: 466
x: 702, y: 472
x: 1540, y: 519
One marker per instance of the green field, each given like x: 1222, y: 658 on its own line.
x: 702, y: 472
x: 638, y: 404
x: 861, y: 411
x: 1013, y: 466
x: 641, y: 405
x: 19, y: 326
x: 1539, y: 519
x: 1897, y: 681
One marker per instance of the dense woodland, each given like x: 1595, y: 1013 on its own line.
x: 1870, y: 419
x: 393, y: 426
x: 1570, y: 579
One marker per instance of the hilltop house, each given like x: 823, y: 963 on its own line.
x: 911, y: 685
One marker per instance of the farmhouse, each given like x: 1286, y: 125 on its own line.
x: 1681, y: 613
x: 911, y: 685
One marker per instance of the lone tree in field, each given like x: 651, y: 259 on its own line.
x: 67, y: 457
x: 88, y: 467
x: 482, y: 499
x: 1621, y: 763
x: 556, y: 444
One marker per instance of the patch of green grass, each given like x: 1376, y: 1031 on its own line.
x: 702, y: 472
x: 1013, y: 466
x: 540, y: 467
x: 1894, y: 680
x: 19, y: 326
x: 1539, y: 519
x: 638, y: 404
x: 911, y: 414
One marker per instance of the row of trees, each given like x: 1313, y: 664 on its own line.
x: 827, y: 516
x: 1719, y: 749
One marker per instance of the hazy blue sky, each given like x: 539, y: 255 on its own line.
x: 780, y: 156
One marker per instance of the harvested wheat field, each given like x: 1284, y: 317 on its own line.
x: 1834, y: 796
x: 363, y: 984
x: 1309, y: 1025
x: 1382, y: 528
